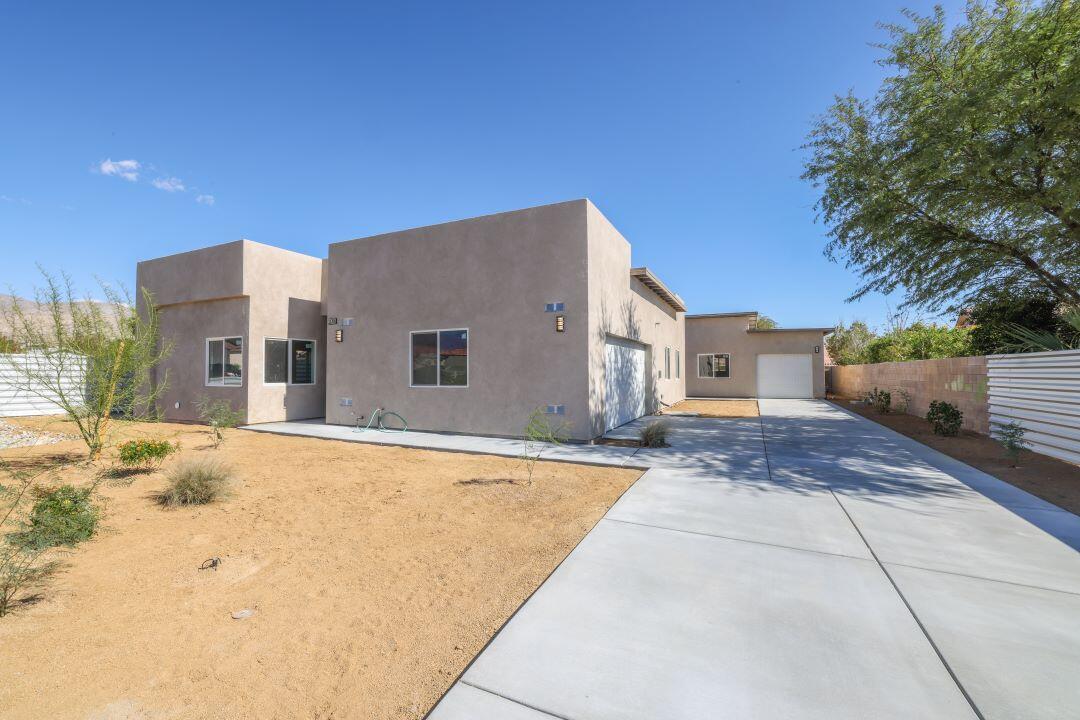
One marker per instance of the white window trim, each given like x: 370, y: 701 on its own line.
x: 438, y: 365
x: 288, y: 366
x: 714, y: 376
x: 206, y: 362
x: 678, y: 365
x: 667, y: 363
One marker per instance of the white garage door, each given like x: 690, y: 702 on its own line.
x: 785, y: 376
x: 624, y: 382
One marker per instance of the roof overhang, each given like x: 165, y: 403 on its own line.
x: 822, y: 330
x: 653, y: 283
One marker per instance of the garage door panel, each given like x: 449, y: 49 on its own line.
x: 624, y: 382
x: 785, y: 376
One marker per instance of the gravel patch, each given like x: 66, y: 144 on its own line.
x: 13, y: 436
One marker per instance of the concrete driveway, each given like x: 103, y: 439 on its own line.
x: 812, y: 564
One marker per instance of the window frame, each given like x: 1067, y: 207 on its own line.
x: 289, y: 361
x: 678, y: 364
x: 714, y: 376
x: 667, y: 363
x: 438, y: 352
x: 206, y: 361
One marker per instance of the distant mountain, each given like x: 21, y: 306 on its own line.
x: 40, y: 314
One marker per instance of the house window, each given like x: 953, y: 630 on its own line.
x: 714, y: 365
x: 440, y: 358
x: 667, y: 363
x: 678, y: 366
x: 225, y: 361
x: 288, y: 361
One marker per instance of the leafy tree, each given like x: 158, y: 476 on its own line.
x: 994, y: 313
x: 963, y: 173
x: 110, y: 343
x: 919, y: 342
x: 764, y: 322
x: 847, y: 345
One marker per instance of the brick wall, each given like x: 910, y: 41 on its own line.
x: 961, y: 381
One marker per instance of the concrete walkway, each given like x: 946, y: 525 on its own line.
x: 812, y: 564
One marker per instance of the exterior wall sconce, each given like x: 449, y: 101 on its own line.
x: 338, y: 335
x: 560, y: 323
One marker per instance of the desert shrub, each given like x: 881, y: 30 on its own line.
x: 196, y: 482
x: 540, y: 430
x: 146, y: 453
x: 880, y: 399
x: 1011, y: 437
x: 902, y: 398
x: 219, y: 415
x: 654, y: 435
x: 945, y: 418
x: 63, y: 515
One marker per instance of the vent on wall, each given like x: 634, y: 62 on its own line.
x: 556, y: 410
x: 346, y: 402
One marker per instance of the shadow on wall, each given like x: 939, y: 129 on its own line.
x: 620, y: 373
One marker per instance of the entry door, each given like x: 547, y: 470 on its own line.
x: 624, y: 382
x: 785, y: 376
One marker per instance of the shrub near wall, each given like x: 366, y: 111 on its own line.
x: 961, y: 381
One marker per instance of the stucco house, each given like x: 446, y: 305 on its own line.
x: 466, y: 326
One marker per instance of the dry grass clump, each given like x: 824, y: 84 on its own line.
x: 654, y: 435
x: 196, y: 482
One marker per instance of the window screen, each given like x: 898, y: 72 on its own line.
x: 303, y: 362
x: 453, y: 357
x: 425, y: 350
x: 275, y: 361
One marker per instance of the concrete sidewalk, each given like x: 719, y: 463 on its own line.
x: 808, y: 565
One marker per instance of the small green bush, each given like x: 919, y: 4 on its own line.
x: 146, y: 453
x: 880, y: 399
x: 219, y: 415
x: 1011, y: 437
x: 945, y: 418
x: 196, y: 482
x: 63, y: 515
x: 654, y: 435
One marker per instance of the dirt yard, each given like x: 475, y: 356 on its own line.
x: 375, y: 575
x: 717, y: 408
x: 1051, y: 479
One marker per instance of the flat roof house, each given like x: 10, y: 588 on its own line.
x: 727, y: 355
x: 466, y: 326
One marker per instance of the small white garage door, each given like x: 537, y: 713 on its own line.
x: 785, y: 376
x: 624, y: 382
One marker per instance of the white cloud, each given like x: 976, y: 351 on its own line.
x: 205, y: 199
x: 168, y: 184
x: 127, y: 169
x: 8, y: 198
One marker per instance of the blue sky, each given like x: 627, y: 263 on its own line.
x: 304, y: 124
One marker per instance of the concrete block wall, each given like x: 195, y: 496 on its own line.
x: 961, y: 381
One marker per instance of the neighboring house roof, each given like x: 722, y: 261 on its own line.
x: 822, y: 330
x: 721, y: 315
x: 653, y: 283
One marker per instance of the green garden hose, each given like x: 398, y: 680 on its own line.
x: 380, y: 414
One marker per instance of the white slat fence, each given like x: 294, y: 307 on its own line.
x: 17, y: 400
x: 1041, y: 391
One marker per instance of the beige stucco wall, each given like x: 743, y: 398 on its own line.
x: 286, y: 302
x: 492, y: 275
x: 623, y: 306
x: 730, y: 335
x: 240, y: 289
x: 961, y: 381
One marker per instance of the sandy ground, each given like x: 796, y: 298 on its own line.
x: 717, y: 408
x: 1053, y: 480
x: 375, y: 574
